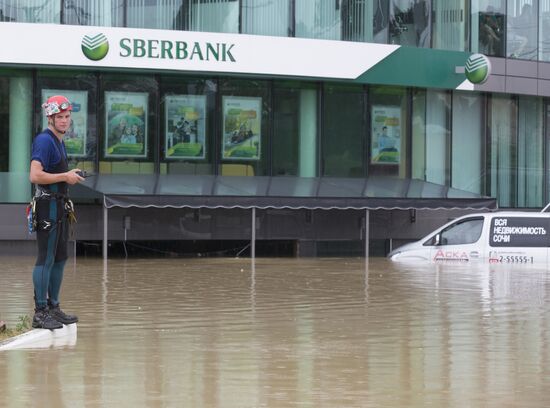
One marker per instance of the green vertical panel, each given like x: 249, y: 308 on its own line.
x: 419, y: 135
x: 20, y: 136
x: 503, y: 153
x: 437, y: 136
x: 468, y: 118
x: 530, y: 163
x: 308, y: 132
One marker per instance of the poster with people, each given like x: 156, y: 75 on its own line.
x: 185, y: 126
x: 126, y: 124
x: 242, y: 124
x: 386, y: 134
x: 75, y: 138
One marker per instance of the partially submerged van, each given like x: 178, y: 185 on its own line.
x: 498, y: 237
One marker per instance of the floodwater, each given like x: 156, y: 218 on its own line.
x: 285, y: 333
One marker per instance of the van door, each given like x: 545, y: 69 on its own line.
x: 460, y: 241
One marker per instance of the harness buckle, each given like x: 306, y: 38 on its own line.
x: 71, y: 213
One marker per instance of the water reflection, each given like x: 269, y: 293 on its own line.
x: 286, y: 332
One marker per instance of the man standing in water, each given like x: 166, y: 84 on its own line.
x: 50, y: 172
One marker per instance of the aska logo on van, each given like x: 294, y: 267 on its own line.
x: 441, y: 255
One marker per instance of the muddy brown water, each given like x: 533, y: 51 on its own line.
x: 285, y: 333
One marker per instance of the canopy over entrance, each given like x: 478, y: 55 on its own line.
x: 192, y: 191
x: 227, y: 192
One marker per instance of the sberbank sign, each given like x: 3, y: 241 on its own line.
x: 176, y: 50
x: 95, y: 47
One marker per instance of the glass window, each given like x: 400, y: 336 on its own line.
x: 488, y: 23
x: 380, y: 23
x: 218, y: 16
x: 243, y: 143
x: 544, y: 31
x: 365, y: 21
x: 318, y: 19
x: 127, y: 124
x: 344, y: 131
x: 463, y: 232
x: 81, y: 138
x: 522, y: 26
x: 467, y: 154
x: 160, y: 14
x: 94, y: 13
x: 431, y: 136
x: 31, y: 11
x: 294, y: 144
x: 388, y: 131
x: 266, y: 17
x: 187, y: 123
x: 530, y: 153
x: 503, y: 147
x: 450, y: 27
x: 410, y: 22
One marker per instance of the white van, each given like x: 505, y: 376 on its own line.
x: 498, y: 237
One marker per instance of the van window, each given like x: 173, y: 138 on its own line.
x: 463, y: 232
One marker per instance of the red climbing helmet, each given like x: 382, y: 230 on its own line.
x: 56, y: 104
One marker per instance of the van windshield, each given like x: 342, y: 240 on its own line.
x: 463, y: 232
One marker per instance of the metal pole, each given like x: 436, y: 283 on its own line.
x: 104, y: 232
x: 367, y: 222
x: 253, y: 242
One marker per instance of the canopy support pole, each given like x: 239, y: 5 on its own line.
x: 253, y: 240
x: 367, y: 224
x: 105, y: 225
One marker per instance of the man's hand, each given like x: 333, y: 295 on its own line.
x: 72, y: 177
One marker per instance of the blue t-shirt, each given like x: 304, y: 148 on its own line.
x: 47, y: 150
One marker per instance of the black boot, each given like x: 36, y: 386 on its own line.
x: 60, y: 316
x: 43, y: 320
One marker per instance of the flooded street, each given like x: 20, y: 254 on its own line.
x: 285, y: 333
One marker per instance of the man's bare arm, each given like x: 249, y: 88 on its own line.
x: 39, y: 176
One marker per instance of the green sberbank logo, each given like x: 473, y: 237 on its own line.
x: 478, y: 68
x: 95, y: 46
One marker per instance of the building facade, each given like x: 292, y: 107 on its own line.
x: 345, y: 89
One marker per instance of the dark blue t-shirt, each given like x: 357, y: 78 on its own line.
x: 47, y: 150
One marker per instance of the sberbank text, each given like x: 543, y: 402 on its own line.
x: 179, y: 50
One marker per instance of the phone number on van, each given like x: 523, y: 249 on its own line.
x: 511, y: 259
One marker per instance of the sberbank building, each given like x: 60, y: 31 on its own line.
x: 301, y: 128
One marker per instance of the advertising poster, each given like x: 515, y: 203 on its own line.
x: 126, y: 124
x: 185, y: 127
x: 386, y: 134
x: 242, y: 125
x: 75, y: 137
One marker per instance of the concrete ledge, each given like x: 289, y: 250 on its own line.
x: 42, y: 338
